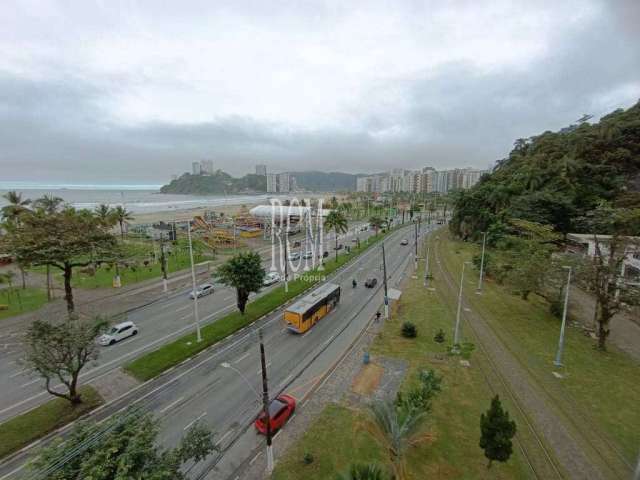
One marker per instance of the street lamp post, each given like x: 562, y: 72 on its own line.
x: 456, y: 333
x: 484, y: 241
x: 193, y: 282
x: 426, y: 267
x: 386, y: 292
x: 558, y: 361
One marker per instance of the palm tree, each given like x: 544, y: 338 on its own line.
x: 337, y: 222
x: 17, y: 206
x: 105, y: 214
x: 363, y: 471
x: 395, y: 430
x: 48, y: 204
x: 376, y: 222
x: 121, y: 215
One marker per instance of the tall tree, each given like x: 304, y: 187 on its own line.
x: 376, y: 222
x: 603, y: 271
x: 496, y: 432
x: 17, y: 206
x: 65, y: 240
x: 245, y: 273
x: 337, y: 222
x: 121, y: 214
x: 59, y: 352
x: 105, y: 214
x: 48, y: 204
x: 124, y: 447
x: 395, y: 430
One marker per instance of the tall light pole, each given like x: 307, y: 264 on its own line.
x: 484, y: 241
x: 193, y: 282
x: 558, y: 361
x: 384, y: 279
x: 426, y: 267
x: 415, y: 242
x: 265, y: 404
x: 163, y: 263
x: 456, y: 333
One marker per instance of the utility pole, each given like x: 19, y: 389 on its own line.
x: 193, y: 282
x: 265, y: 404
x: 286, y: 263
x: 384, y: 276
x: 456, y: 333
x: 484, y: 241
x: 163, y: 263
x: 426, y: 267
x: 558, y: 361
x: 415, y: 244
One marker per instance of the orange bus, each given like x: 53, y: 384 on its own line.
x: 306, y: 312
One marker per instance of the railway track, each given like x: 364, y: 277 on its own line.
x: 577, y: 422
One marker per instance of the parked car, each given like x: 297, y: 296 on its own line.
x: 271, y: 278
x: 308, y: 254
x: 339, y: 247
x: 325, y: 254
x: 294, y: 256
x: 296, y: 243
x: 118, y: 332
x: 371, y: 282
x: 202, y: 291
x: 280, y: 410
x: 354, y: 240
x: 404, y: 242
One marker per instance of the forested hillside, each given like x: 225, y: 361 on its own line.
x: 557, y: 177
x: 218, y: 183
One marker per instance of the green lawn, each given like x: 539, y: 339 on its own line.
x: 21, y: 301
x: 154, y: 363
x: 600, y: 391
x: 334, y: 440
x: 24, y: 429
x: 452, y: 430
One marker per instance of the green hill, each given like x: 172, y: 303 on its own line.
x: 218, y: 183
x: 557, y: 177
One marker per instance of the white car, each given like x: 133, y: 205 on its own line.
x: 271, y: 278
x: 118, y: 332
x: 294, y: 256
x: 308, y: 254
x: 202, y: 290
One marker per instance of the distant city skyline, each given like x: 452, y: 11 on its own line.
x: 91, y: 92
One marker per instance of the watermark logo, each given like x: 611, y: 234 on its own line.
x: 291, y: 253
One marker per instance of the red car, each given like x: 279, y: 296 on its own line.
x: 280, y: 410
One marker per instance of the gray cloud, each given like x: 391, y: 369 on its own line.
x: 65, y: 121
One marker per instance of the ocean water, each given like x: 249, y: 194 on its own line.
x: 136, y: 198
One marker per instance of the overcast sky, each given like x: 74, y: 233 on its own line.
x: 133, y: 91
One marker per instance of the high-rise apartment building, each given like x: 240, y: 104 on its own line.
x: 261, y: 170
x: 195, y: 168
x: 272, y: 183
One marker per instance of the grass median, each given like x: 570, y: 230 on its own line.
x: 599, y: 390
x: 171, y: 354
x: 24, y: 429
x: 16, y: 301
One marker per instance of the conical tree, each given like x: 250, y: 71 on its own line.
x: 497, y: 430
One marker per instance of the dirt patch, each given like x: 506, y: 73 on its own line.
x: 368, y: 379
x: 114, y: 384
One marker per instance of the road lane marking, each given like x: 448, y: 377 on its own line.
x: 267, y: 366
x: 255, y: 458
x: 194, y: 421
x: 183, y: 308
x: 224, y: 436
x: 284, y: 382
x: 172, y: 404
x: 239, y: 359
x: 26, y: 370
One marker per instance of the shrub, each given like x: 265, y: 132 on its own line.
x: 308, y: 458
x: 409, y: 330
x: 420, y: 396
x: 439, y: 337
